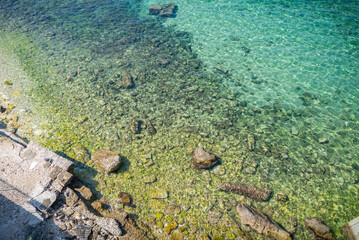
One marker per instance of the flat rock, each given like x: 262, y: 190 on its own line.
x: 202, y: 159
x: 319, y: 228
x: 261, y: 224
x: 158, y: 194
x: 107, y: 161
x: 248, y: 190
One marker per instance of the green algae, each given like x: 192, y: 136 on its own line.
x: 202, y: 113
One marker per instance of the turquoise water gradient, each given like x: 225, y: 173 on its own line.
x: 219, y: 73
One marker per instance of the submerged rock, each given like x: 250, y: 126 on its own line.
x: 127, y: 80
x: 261, y: 223
x: 318, y: 228
x: 107, y: 161
x: 125, y: 199
x: 251, y: 142
x: 202, y: 159
x: 151, y: 129
x: 135, y: 126
x: 165, y: 10
x: 248, y: 190
x: 85, y: 192
x: 158, y: 194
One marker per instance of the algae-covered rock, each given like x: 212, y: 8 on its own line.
x: 125, y: 199
x: 202, y: 159
x: 261, y: 223
x: 107, y: 161
x: 158, y: 194
x: 318, y: 228
x: 135, y: 126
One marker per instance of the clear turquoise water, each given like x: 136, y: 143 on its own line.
x: 296, y: 91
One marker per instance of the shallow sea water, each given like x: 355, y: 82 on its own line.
x: 216, y: 75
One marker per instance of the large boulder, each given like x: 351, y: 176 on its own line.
x: 107, y: 161
x: 202, y: 159
x: 318, y: 228
x: 261, y: 223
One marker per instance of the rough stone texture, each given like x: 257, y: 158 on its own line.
x: 350, y: 230
x: 107, y: 161
x: 85, y: 192
x: 319, y: 228
x: 110, y: 225
x: 261, y: 224
x: 70, y: 196
x: 247, y: 190
x: 203, y: 159
x: 155, y: 9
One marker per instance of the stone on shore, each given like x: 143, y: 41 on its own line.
x: 107, y: 161
x: 248, y: 190
x: 110, y: 225
x: 202, y: 159
x: 85, y: 192
x: 318, y: 228
x: 261, y: 224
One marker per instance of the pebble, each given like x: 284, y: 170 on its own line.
x: 150, y: 179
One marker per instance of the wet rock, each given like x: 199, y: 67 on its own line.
x: 261, y: 223
x: 85, y: 192
x: 246, y: 49
x: 158, y: 194
x: 202, y: 159
x: 323, y: 140
x: 8, y: 82
x: 110, y: 225
x: 281, y: 197
x: 219, y: 170
x: 214, y: 217
x: 318, y: 228
x: 170, y: 227
x: 107, y: 161
x: 127, y: 81
x: 251, y: 142
x: 155, y: 9
x: 173, y: 209
x: 125, y: 199
x: 135, y: 126
x: 150, y: 179
x: 165, y: 10
x: 248, y: 190
x: 294, y: 131
x: 97, y: 205
x: 350, y: 230
x: 151, y: 129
